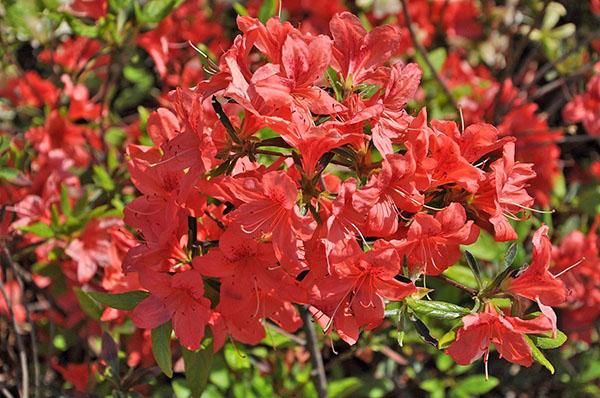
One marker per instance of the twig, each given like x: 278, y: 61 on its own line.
x: 32, y: 334
x: 522, y: 44
x: 293, y: 337
x: 312, y: 344
x: 20, y: 344
x: 458, y: 285
x: 425, y: 56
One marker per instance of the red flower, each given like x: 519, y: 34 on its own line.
x: 432, y: 244
x: 396, y: 192
x: 89, y: 8
x: 179, y: 298
x: 479, y: 331
x: 59, y: 133
x: 585, y: 108
x: 93, y: 248
x: 353, y: 297
x: 398, y: 83
x: 357, y: 52
x: 502, y: 194
x: 536, y: 282
x: 77, y: 374
x: 270, y: 208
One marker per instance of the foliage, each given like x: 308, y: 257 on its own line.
x: 182, y: 180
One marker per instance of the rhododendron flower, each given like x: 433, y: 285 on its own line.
x: 432, y: 243
x: 89, y: 8
x: 502, y: 194
x: 479, y: 331
x: 179, y: 298
x: 536, y: 282
x: 357, y: 52
x: 59, y: 133
x: 353, y: 297
x: 400, y: 83
x: 77, y: 374
x: 92, y: 249
x: 270, y: 207
x: 585, y: 108
x: 396, y: 193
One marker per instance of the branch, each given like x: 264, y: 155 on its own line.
x: 312, y: 344
x: 425, y: 56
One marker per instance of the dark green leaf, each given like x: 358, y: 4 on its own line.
x: 161, y: 348
x: 510, y: 255
x: 474, y: 265
x: 423, y: 331
x: 87, y: 304
x: 110, y: 353
x: 120, y: 301
x: 197, y: 368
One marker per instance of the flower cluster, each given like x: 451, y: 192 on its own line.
x: 295, y: 175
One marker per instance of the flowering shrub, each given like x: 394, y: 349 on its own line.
x: 288, y: 200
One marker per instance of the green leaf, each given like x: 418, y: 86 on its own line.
x: 82, y: 29
x: 120, y: 301
x: 240, y: 9
x: 486, y: 248
x: 161, y: 348
x: 40, y: 229
x: 65, y: 203
x: 197, y: 368
x: 344, y: 387
x: 21, y: 16
x: 461, y: 274
x: 236, y: 358
x: 367, y: 90
x: 546, y: 343
x: 447, y: 339
x: 434, y: 387
x: 87, y: 304
x: 7, y: 173
x: 473, y: 386
x: 267, y: 10
x: 436, y: 309
x: 102, y: 178
x: 538, y: 355
x: 335, y: 82
x: 155, y: 11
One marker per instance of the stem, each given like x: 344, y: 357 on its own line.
x: 20, y: 344
x: 425, y: 56
x: 320, y: 379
